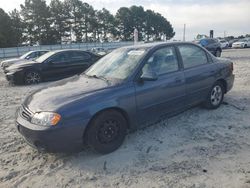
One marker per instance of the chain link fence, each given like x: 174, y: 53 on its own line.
x: 18, y: 51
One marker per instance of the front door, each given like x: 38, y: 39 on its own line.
x: 57, y: 66
x: 165, y: 95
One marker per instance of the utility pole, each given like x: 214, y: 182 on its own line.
x: 184, y: 33
x: 225, y: 34
x: 135, y: 36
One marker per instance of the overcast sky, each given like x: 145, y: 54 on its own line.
x: 223, y: 16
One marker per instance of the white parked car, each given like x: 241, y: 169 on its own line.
x: 242, y: 43
x: 224, y: 43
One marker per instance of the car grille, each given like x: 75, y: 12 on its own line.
x: 25, y: 113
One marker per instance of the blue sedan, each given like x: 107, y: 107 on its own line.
x: 126, y: 90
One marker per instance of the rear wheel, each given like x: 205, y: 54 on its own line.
x: 215, y: 96
x: 32, y: 77
x: 107, y: 132
x: 245, y: 46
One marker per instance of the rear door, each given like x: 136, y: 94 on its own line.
x: 165, y: 95
x: 199, y: 72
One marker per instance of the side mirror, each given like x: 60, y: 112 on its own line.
x: 149, y: 76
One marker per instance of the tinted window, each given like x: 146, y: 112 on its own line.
x: 59, y: 58
x: 79, y: 55
x: 192, y: 55
x: 31, y: 55
x: 211, y: 41
x: 162, y: 61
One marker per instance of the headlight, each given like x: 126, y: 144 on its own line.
x: 46, y: 118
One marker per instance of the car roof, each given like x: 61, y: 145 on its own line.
x: 39, y: 51
x: 69, y: 50
x: 153, y: 45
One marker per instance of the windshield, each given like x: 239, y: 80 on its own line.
x: 119, y: 64
x: 25, y: 55
x: 44, y: 57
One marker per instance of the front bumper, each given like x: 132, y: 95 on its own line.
x: 14, y: 77
x: 61, y: 138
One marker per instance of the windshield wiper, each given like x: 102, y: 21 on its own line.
x: 98, y: 77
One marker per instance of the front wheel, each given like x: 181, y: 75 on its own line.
x: 215, y: 96
x: 32, y: 77
x: 107, y: 132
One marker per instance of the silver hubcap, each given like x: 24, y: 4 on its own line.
x: 32, y: 78
x: 216, y: 95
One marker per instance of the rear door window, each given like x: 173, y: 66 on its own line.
x: 192, y: 56
x: 60, y: 58
x: 79, y: 56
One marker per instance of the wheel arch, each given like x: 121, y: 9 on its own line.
x: 118, y: 109
x: 224, y: 83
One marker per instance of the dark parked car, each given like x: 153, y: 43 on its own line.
x: 53, y: 65
x: 125, y: 90
x: 212, y: 45
x: 27, y: 56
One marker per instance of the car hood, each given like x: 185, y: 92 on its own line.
x: 21, y: 64
x: 63, y: 92
x: 10, y: 62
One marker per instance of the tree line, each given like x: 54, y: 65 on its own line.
x: 76, y: 21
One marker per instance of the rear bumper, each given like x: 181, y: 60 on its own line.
x: 52, y: 139
x: 230, y: 82
x: 237, y: 46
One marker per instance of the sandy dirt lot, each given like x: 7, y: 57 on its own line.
x: 196, y: 149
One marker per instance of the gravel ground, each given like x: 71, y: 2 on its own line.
x: 196, y: 149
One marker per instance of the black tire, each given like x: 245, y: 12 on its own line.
x: 215, y: 96
x: 245, y: 46
x: 218, y: 53
x: 106, y: 132
x: 32, y: 77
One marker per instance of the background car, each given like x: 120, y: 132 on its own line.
x: 126, y: 90
x: 224, y: 43
x: 99, y: 51
x: 53, y: 65
x: 211, y: 44
x: 230, y: 43
x: 242, y: 43
x: 27, y: 56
